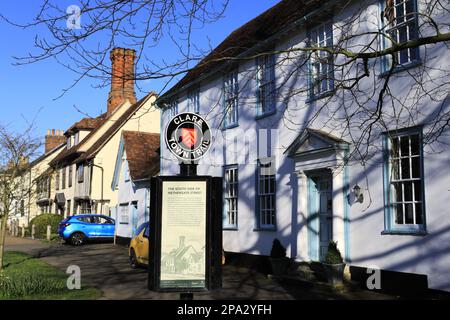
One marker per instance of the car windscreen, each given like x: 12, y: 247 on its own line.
x: 141, y: 227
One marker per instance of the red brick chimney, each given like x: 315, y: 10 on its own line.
x: 54, y: 139
x: 122, y: 78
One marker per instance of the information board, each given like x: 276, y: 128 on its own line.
x: 183, y: 234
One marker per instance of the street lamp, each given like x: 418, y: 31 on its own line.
x: 358, y: 195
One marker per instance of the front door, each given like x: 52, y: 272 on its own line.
x: 320, y: 221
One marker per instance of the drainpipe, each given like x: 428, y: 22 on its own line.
x: 29, y: 201
x: 101, y: 195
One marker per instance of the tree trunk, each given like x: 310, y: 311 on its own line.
x: 2, y: 238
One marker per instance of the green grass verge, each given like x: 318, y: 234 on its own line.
x: 28, y: 278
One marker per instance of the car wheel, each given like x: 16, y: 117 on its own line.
x: 133, y: 260
x: 77, y: 239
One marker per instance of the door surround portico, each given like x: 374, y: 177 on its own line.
x: 316, y: 153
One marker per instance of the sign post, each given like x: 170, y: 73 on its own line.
x: 185, y: 215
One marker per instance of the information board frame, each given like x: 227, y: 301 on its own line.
x: 155, y: 254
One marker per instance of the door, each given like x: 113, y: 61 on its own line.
x: 89, y: 226
x: 95, y: 227
x: 108, y: 227
x: 320, y: 215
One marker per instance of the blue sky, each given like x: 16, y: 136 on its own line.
x: 28, y: 92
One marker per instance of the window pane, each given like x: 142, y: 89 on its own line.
x: 261, y: 186
x: 415, y: 144
x: 394, y: 148
x: 267, y: 185
x: 410, y: 8
x: 404, y: 146
x: 405, y: 168
x: 399, y: 12
x: 415, y: 167
x: 413, y: 53
x: 408, y: 191
x: 417, y: 191
x: 397, y: 192
x: 395, y: 170
x: 409, y: 213
x: 419, y: 219
x: 403, y: 56
x: 398, y: 213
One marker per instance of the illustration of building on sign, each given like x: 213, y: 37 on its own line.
x: 186, y: 259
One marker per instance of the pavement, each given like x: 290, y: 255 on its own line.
x: 105, y: 266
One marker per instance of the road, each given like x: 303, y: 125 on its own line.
x: 105, y: 266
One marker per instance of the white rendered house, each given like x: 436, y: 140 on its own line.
x: 308, y: 158
x: 137, y: 161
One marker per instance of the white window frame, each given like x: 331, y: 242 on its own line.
x: 80, y: 173
x: 76, y: 138
x: 85, y: 207
x: 70, y: 176
x: 408, y: 21
x: 230, y: 99
x: 193, y: 101
x: 397, y: 178
x: 321, y: 63
x: 266, y: 90
x: 266, y: 197
x: 124, y: 213
x: 231, y: 196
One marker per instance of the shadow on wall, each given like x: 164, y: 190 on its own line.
x: 288, y: 234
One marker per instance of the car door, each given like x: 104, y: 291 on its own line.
x: 86, y: 226
x: 95, y: 226
x: 107, y: 227
x: 142, y: 252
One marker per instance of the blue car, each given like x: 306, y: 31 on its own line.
x: 81, y: 228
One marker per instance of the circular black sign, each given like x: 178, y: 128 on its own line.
x: 188, y: 136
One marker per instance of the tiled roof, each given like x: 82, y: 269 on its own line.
x: 250, y: 34
x: 87, y: 123
x: 142, y: 154
x: 68, y: 155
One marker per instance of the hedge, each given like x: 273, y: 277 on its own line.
x: 42, y: 221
